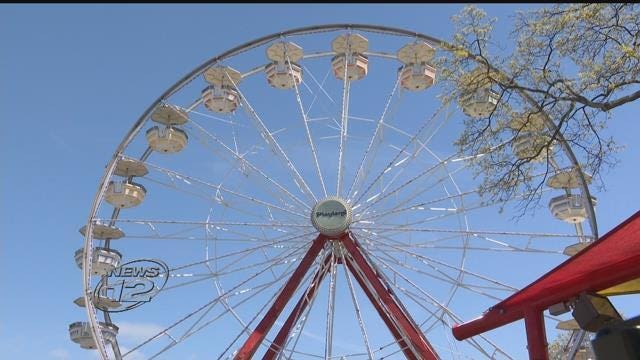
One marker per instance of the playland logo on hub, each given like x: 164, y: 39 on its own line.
x: 330, y: 214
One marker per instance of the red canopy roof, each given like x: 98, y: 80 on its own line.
x: 609, y: 261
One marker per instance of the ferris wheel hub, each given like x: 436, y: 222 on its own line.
x: 331, y: 216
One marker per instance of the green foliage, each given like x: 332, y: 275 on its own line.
x: 571, y: 65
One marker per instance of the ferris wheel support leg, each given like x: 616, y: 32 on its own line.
x: 250, y: 346
x: 536, y: 334
x: 384, y: 297
x: 278, y: 343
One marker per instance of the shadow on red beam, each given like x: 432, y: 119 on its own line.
x: 609, y: 261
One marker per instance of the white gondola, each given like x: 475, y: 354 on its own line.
x: 221, y: 99
x: 284, y: 72
x: 80, y: 333
x: 357, y: 66
x: 529, y: 122
x: 221, y: 96
x: 102, y: 302
x: 417, y: 77
x: 102, y: 232
x: 569, y: 208
x: 571, y: 324
x: 478, y: 100
x: 125, y: 194
x: 280, y: 76
x: 479, y: 103
x: 532, y: 146
x: 130, y: 167
x: 571, y: 250
x: 567, y: 179
x: 166, y: 139
x: 416, y: 74
x: 104, y: 260
x: 169, y: 115
x: 349, y: 49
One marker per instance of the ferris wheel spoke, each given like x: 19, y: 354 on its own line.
x: 386, y: 228
x: 192, y: 330
x: 303, y: 318
x: 427, y: 298
x: 245, y: 162
x: 377, y: 210
x: 278, y: 241
x: 186, y: 179
x: 271, y: 141
x: 299, y: 316
x: 419, y: 301
x: 328, y: 348
x: 320, y: 86
x: 456, y: 282
x: 219, y: 199
x: 224, y: 271
x: 312, y: 147
x: 420, y: 190
x: 421, y: 206
x: 186, y: 228
x: 398, y: 246
x: 344, y: 122
x: 479, y: 204
x: 354, y: 300
x: 234, y: 291
x: 385, y: 194
x: 209, y: 116
x: 496, y: 245
x: 306, y: 278
x: 399, y: 153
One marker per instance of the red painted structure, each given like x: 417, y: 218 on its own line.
x: 408, y: 335
x: 609, y: 261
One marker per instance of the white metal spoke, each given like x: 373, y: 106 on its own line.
x: 257, y: 290
x: 383, y: 195
x: 367, y: 158
x: 268, y: 138
x: 303, y: 315
x: 398, y: 154
x: 188, y: 179
x: 278, y: 241
x: 246, y: 162
x: 356, y: 307
x: 307, y: 130
x: 262, y: 309
x: 328, y: 347
x: 320, y: 85
x: 430, y: 299
x: 236, y: 290
x: 343, y: 128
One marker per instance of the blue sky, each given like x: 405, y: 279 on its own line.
x: 73, y: 79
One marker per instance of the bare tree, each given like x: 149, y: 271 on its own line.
x: 559, y: 348
x: 570, y: 67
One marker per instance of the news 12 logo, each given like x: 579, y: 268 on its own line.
x: 130, y: 285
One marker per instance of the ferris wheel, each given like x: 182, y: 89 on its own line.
x: 300, y: 196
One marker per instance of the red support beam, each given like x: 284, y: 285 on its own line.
x: 609, y: 261
x: 257, y: 336
x: 536, y: 335
x: 405, y: 324
x: 305, y: 299
x: 385, y: 317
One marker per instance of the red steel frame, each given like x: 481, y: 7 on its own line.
x: 609, y: 261
x: 408, y: 335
